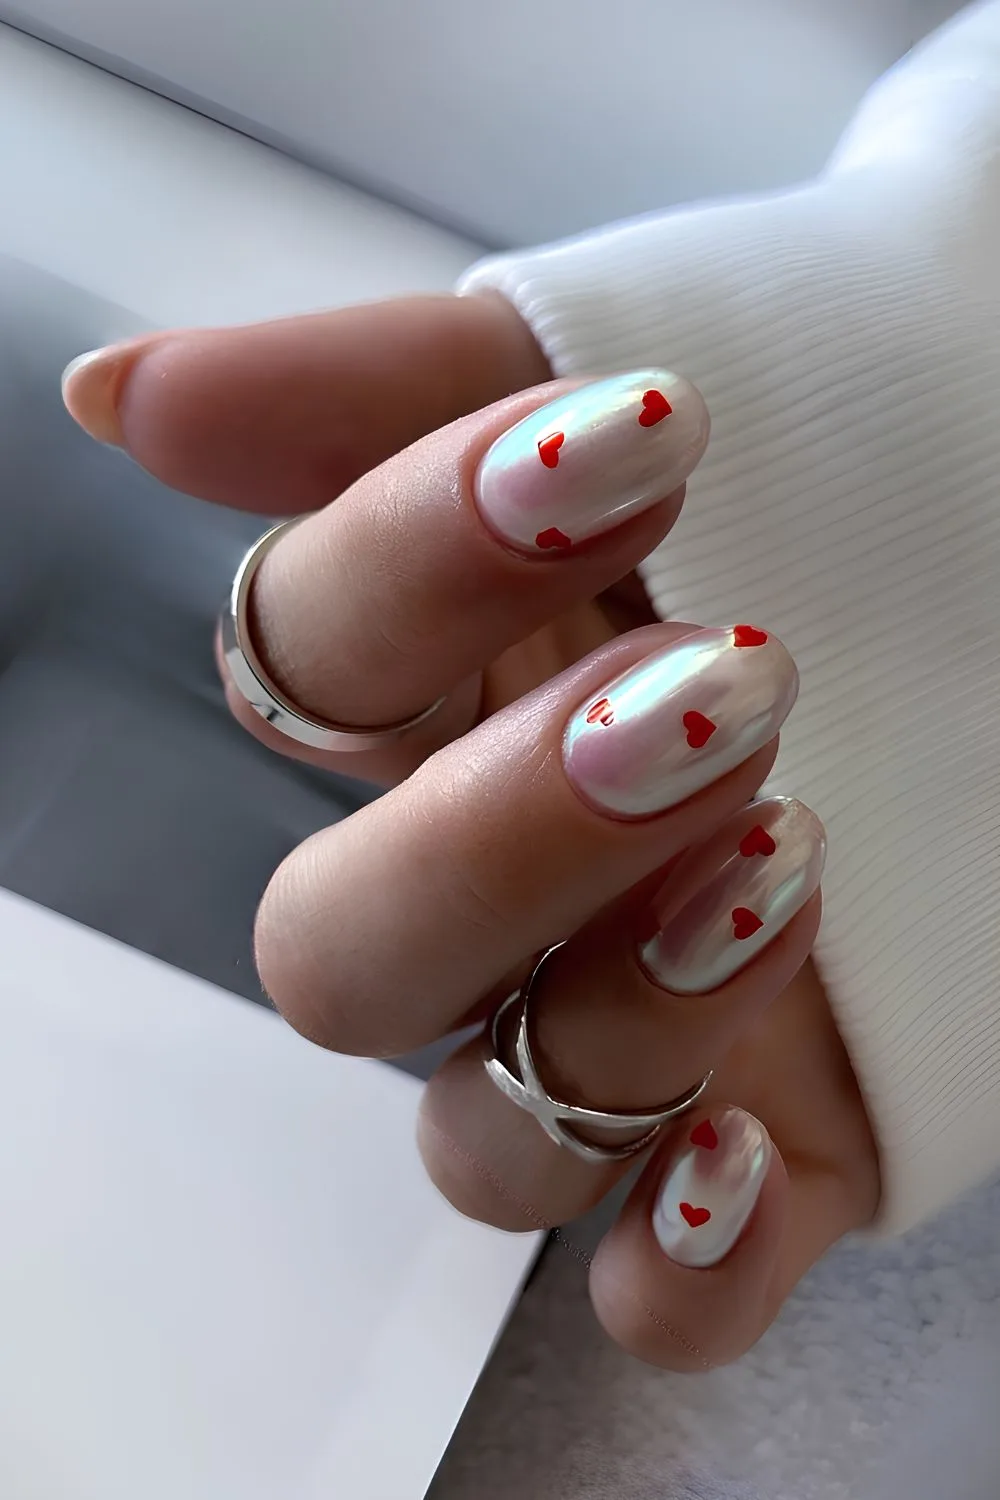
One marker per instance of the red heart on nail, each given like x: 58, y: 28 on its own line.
x: 695, y: 1216
x: 699, y: 729
x: 602, y: 711
x: 704, y: 1135
x: 548, y: 449
x: 745, y: 922
x: 552, y: 537
x: 757, y: 841
x: 746, y: 635
x: 655, y: 407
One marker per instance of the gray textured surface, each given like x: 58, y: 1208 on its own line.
x: 878, y: 1382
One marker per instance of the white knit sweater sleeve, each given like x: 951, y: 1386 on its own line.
x: 847, y: 338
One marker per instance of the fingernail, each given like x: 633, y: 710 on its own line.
x: 711, y: 1188
x: 678, y: 720
x: 588, y: 461
x: 91, y: 385
x: 731, y: 896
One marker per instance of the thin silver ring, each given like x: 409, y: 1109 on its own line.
x: 559, y: 1120
x: 264, y: 696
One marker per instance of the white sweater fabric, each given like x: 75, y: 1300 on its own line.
x: 846, y: 336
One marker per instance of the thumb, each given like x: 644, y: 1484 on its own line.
x: 279, y: 417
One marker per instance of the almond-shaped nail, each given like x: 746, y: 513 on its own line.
x: 91, y: 384
x: 678, y: 720
x: 731, y: 896
x: 590, y: 459
x: 711, y: 1187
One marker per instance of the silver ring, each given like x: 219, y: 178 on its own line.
x: 559, y: 1120
x: 264, y: 697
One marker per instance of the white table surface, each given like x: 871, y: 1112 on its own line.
x: 223, y: 1274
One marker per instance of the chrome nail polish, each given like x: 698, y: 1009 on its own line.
x: 592, y: 458
x: 729, y: 897
x: 678, y: 720
x: 711, y: 1188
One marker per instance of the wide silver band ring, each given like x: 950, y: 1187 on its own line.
x: 264, y: 696
x: 562, y: 1122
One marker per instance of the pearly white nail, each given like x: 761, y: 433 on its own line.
x: 731, y: 896
x: 711, y: 1188
x: 589, y: 460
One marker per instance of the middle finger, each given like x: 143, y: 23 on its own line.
x: 378, y: 934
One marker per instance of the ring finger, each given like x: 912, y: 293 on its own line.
x: 631, y: 1013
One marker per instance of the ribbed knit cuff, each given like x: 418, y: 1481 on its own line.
x: 849, y: 502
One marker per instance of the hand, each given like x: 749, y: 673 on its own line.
x: 551, y: 797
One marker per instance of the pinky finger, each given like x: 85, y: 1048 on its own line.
x: 713, y: 1238
x: 683, y: 1280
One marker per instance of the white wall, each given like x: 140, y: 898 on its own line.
x: 179, y: 219
x: 523, y: 119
